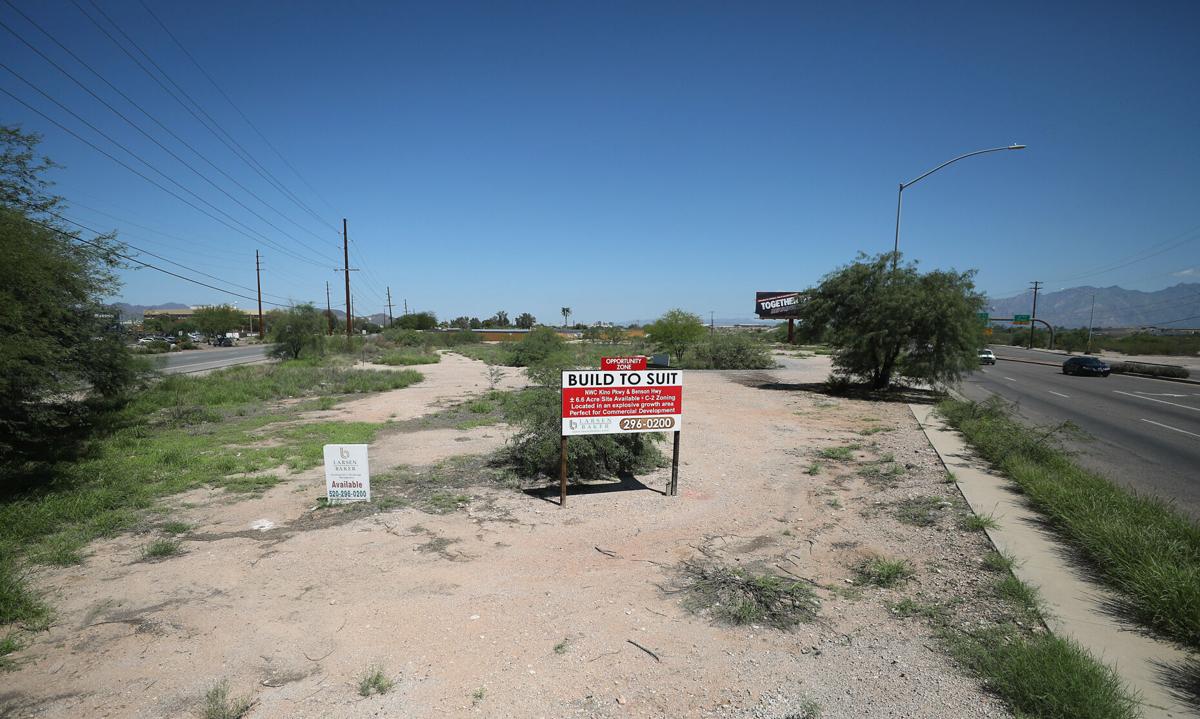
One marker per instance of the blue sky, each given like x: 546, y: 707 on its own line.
x: 626, y: 158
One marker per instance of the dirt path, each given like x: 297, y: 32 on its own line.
x: 508, y: 608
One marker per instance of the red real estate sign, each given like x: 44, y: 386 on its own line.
x: 616, y: 402
x: 624, y: 364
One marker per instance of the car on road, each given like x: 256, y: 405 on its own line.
x: 1086, y: 366
x: 223, y: 342
x: 987, y: 357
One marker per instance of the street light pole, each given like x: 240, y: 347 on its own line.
x: 900, y: 193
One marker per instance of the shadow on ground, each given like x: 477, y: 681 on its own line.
x: 625, y: 482
x: 906, y: 395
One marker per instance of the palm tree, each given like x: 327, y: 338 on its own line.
x: 566, y: 313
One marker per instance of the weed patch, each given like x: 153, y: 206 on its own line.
x: 996, y: 562
x: 738, y: 596
x: 1043, y: 675
x: 882, y: 572
x: 978, y: 522
x: 1140, y: 546
x: 920, y: 511
x: 219, y: 705
x: 161, y: 548
x: 840, y: 454
x: 374, y: 681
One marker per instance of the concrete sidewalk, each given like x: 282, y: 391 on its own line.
x: 1074, y: 606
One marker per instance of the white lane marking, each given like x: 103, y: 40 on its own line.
x: 1010, y: 379
x: 1163, y: 401
x: 1060, y: 394
x: 1160, y: 394
x: 1167, y: 426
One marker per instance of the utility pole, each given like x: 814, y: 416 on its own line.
x: 328, y: 311
x: 347, y: 270
x: 711, y: 327
x: 406, y: 306
x: 1036, y: 286
x: 389, y: 293
x: 262, y: 332
x: 1091, y: 317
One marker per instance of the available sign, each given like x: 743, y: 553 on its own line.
x: 622, y: 364
x: 347, y: 476
x: 617, y: 402
x: 777, y: 305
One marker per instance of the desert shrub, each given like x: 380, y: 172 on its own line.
x: 537, y: 346
x: 728, y: 350
x: 1154, y: 370
x: 535, y: 448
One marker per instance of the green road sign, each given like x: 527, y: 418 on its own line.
x: 983, y: 317
x: 1020, y: 319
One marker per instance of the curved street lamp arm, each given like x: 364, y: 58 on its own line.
x: 960, y: 157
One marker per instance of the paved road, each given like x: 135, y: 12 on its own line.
x: 212, y: 358
x: 1145, y: 432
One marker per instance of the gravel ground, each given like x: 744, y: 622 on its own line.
x: 509, y: 606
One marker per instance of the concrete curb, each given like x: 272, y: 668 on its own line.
x: 1074, y: 606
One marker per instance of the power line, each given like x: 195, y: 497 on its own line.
x: 123, y: 256
x: 77, y: 136
x: 164, y: 259
x: 239, y: 111
x: 137, y: 127
x: 154, y: 119
x: 243, y: 155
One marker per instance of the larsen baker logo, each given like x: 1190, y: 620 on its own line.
x: 591, y: 424
x: 344, y: 452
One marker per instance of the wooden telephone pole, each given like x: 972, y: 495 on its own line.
x: 347, y: 269
x: 1037, y: 285
x: 389, y: 294
x: 328, y: 311
x: 262, y: 332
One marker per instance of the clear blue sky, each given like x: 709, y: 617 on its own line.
x: 625, y: 158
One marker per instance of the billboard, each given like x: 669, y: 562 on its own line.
x: 619, y: 402
x: 778, y: 305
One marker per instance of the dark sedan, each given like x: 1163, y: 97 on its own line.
x: 1087, y: 366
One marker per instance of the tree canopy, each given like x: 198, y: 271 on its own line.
x: 675, y: 331
x: 886, y: 325
x: 59, y: 351
x: 297, y: 330
x: 219, y: 319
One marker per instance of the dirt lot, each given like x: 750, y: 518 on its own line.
x: 508, y: 606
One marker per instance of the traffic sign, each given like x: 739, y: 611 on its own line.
x: 987, y: 331
x: 1020, y: 319
x: 983, y: 317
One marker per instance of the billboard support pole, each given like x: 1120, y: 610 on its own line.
x: 791, y: 331
x: 674, y: 489
x: 562, y: 473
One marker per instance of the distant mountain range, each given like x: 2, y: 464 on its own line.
x: 1115, y: 307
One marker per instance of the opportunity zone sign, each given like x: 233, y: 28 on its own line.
x: 617, y: 402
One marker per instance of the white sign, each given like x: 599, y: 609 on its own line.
x: 619, y: 402
x: 347, y: 477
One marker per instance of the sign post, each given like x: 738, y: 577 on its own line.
x: 780, y: 306
x: 620, y: 402
x: 347, y: 475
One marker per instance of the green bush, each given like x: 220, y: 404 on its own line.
x: 401, y: 358
x: 537, y: 346
x: 728, y: 350
x: 535, y: 448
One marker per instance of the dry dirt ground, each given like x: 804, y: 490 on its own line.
x: 506, y: 606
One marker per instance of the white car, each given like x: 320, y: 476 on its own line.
x: 987, y: 357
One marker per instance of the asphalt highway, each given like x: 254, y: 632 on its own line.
x: 212, y: 358
x: 1144, y: 433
